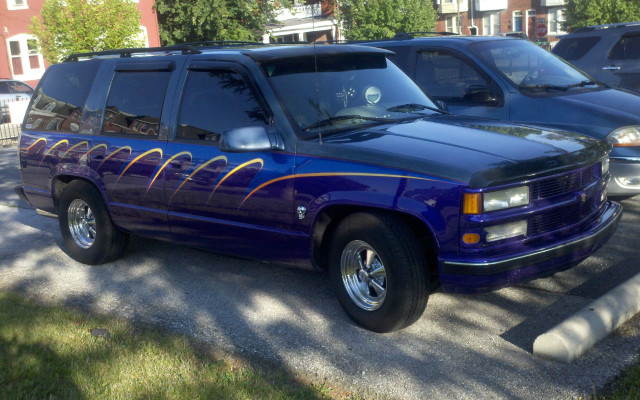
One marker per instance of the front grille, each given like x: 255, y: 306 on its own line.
x: 562, y: 217
x: 566, y: 183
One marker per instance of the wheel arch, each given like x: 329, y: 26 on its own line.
x: 61, y: 181
x: 330, y: 217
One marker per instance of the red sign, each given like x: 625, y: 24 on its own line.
x: 541, y: 30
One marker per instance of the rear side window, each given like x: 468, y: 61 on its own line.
x: 627, y: 48
x: 215, y: 101
x: 575, y: 48
x: 135, y: 102
x: 60, y: 99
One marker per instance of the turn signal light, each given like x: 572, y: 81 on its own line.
x: 471, y: 238
x: 472, y: 203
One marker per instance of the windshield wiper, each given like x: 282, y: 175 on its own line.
x: 564, y: 88
x: 333, y: 120
x: 411, y: 107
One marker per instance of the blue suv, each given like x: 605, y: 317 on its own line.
x: 513, y: 79
x: 324, y: 157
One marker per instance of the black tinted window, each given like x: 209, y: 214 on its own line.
x: 627, y: 48
x: 575, y: 48
x: 59, y: 100
x: 444, y: 76
x: 135, y: 102
x: 215, y: 101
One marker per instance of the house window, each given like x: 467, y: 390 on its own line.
x: 17, y: 4
x: 144, y: 35
x: 26, y: 61
x: 450, y: 24
x: 530, y: 23
x: 491, y: 23
x: 556, y: 21
x: 517, y: 21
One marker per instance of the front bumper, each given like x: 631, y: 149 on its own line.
x: 625, y: 177
x: 477, y: 276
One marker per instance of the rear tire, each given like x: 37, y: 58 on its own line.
x: 89, y: 234
x: 378, y: 271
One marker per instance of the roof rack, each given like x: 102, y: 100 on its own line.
x: 221, y: 43
x: 411, y: 35
x: 606, y: 26
x: 124, y: 53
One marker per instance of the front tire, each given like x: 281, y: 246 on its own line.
x: 88, y: 232
x: 378, y: 271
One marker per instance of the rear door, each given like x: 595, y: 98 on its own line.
x: 129, y: 150
x: 621, y: 67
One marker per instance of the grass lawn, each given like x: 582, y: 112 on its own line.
x: 50, y: 353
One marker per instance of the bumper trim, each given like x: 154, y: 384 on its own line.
x: 593, y: 240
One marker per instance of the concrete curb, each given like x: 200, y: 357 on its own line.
x: 571, y: 338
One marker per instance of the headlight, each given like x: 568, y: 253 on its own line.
x: 508, y: 198
x: 506, y: 231
x: 626, y: 136
x: 605, y: 166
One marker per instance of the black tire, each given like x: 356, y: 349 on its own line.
x: 95, y: 239
x: 395, y: 248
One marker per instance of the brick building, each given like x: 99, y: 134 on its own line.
x: 535, y: 18
x: 313, y: 20
x: 19, y: 56
x: 307, y: 21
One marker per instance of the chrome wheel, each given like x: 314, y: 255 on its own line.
x: 82, y: 223
x: 363, y: 275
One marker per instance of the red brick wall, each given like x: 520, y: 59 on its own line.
x: 506, y: 18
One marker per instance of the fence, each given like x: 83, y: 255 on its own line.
x: 11, y: 116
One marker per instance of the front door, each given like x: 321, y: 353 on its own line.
x: 213, y: 197
x: 452, y: 78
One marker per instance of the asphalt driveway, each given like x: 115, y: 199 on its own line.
x: 462, y: 347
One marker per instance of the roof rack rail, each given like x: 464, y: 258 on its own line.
x: 220, y: 43
x: 124, y: 53
x: 411, y: 35
x: 606, y: 26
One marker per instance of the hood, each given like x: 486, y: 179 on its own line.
x: 594, y: 112
x: 472, y: 151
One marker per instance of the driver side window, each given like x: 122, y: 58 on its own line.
x: 452, y: 79
x: 215, y: 101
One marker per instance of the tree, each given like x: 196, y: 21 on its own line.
x: 202, y: 20
x: 376, y: 19
x: 78, y: 26
x: 581, y: 13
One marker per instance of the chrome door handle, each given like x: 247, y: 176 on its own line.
x: 610, y: 68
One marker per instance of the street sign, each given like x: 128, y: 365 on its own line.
x: 541, y: 30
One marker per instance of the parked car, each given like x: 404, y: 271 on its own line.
x: 513, y: 79
x: 316, y: 157
x: 12, y: 90
x: 609, y: 53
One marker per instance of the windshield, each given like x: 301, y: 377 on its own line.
x: 530, y: 67
x: 331, y: 93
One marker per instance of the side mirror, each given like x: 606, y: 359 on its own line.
x: 480, y: 94
x: 250, y: 138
